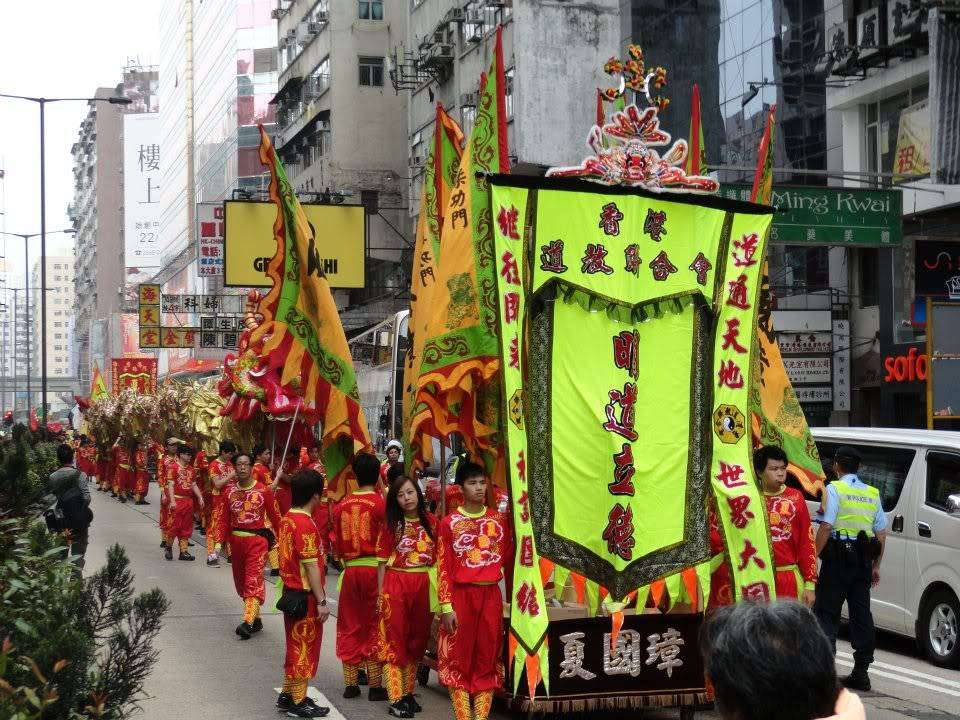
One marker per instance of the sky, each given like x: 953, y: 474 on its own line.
x: 57, y: 48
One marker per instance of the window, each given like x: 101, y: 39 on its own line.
x: 371, y: 71
x: 885, y: 468
x: 882, y: 129
x: 943, y: 478
x: 371, y: 10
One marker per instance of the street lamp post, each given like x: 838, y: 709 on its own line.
x: 42, y: 103
x: 43, y: 305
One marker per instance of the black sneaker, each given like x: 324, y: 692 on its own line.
x: 307, y: 710
x: 412, y: 703
x: 318, y: 710
x: 122, y: 498
x: 189, y: 543
x: 186, y: 556
x: 168, y: 552
x: 284, y: 702
x: 142, y: 502
x: 163, y: 544
x: 275, y: 572
x: 377, y: 694
x: 400, y: 709
x: 213, y: 561
x: 859, y: 681
x: 351, y: 691
x: 257, y: 625
x: 244, y: 630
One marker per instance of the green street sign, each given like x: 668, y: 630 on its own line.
x: 831, y: 216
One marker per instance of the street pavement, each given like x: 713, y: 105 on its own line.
x: 206, y: 671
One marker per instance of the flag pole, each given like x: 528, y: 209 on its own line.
x: 286, y: 447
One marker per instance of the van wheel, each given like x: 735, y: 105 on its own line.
x: 939, y: 629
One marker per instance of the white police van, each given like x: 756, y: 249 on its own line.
x: 918, y: 475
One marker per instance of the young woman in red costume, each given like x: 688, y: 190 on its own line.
x: 405, y: 615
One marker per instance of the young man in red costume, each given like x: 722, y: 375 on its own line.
x: 405, y: 615
x: 251, y: 507
x: 201, y: 466
x: 182, y: 491
x: 262, y: 457
x: 794, y: 550
x: 302, y: 566
x: 165, y: 465
x: 360, y: 535
x: 142, y: 475
x: 220, y: 473
x: 123, y: 472
x: 474, y: 547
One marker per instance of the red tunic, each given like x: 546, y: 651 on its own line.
x: 359, y: 525
x: 252, y: 506
x: 794, y: 550
x: 183, y: 478
x: 300, y: 543
x: 217, y: 469
x: 262, y: 473
x: 473, y: 550
x: 415, y: 548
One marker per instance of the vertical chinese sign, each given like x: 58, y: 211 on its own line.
x: 148, y: 309
x: 210, y: 233
x: 141, y: 191
x: 137, y: 373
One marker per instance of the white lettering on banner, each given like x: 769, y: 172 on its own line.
x: 572, y: 663
x: 627, y: 656
x: 665, y: 650
x: 142, y: 165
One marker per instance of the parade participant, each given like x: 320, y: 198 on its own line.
x: 262, y: 456
x: 359, y: 527
x: 771, y: 661
x: 221, y: 473
x: 281, y: 486
x: 313, y: 459
x: 405, y: 608
x: 304, y: 599
x: 793, y: 548
x: 474, y: 546
x: 142, y: 475
x: 850, y: 543
x: 123, y: 472
x: 182, y: 490
x: 201, y: 466
x: 104, y: 479
x: 251, y: 508
x: 394, y: 451
x: 165, y: 465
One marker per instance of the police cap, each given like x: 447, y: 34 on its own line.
x: 846, y: 455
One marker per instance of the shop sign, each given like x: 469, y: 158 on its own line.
x: 937, y: 268
x: 808, y: 371
x: 831, y: 216
x: 814, y: 394
x: 804, y: 343
x: 841, y: 365
x: 912, y: 158
x: 210, y: 250
x: 906, y: 368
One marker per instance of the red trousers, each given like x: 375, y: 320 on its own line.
x: 142, y: 483
x: 124, y: 480
x: 164, y: 513
x: 789, y: 584
x: 469, y: 659
x: 357, y: 629
x: 218, y: 519
x: 303, y: 643
x: 249, y: 554
x: 405, y: 616
x: 181, y: 519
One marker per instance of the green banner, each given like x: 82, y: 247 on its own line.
x: 528, y: 609
x: 831, y: 216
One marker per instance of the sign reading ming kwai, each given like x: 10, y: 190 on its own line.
x: 831, y: 216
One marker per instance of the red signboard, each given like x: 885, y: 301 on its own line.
x: 906, y: 368
x: 138, y: 373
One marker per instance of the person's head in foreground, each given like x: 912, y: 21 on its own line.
x: 773, y: 661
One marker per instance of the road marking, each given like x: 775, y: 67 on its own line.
x: 906, y: 671
x: 906, y: 680
x: 320, y: 699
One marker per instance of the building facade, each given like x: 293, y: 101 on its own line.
x: 221, y: 58
x: 60, y: 304
x: 342, y: 132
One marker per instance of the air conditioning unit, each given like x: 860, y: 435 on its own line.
x: 314, y: 28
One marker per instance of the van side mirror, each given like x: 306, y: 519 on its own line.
x: 953, y: 504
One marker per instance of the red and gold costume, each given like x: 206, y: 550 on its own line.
x: 123, y: 471
x: 721, y: 589
x: 472, y: 552
x: 405, y: 615
x: 794, y: 550
x: 299, y: 545
x: 261, y: 473
x: 183, y: 478
x: 359, y: 526
x: 251, y: 507
x: 201, y: 466
x: 165, y: 465
x: 142, y: 475
x: 217, y: 529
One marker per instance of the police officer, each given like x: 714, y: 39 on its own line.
x: 850, y: 544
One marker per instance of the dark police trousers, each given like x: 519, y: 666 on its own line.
x: 846, y: 575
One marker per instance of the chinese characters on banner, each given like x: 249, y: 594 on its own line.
x: 142, y: 165
x: 210, y: 232
x: 528, y: 618
x: 137, y: 373
x: 154, y: 335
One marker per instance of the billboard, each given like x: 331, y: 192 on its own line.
x: 249, y: 245
x: 210, y: 236
x: 141, y: 190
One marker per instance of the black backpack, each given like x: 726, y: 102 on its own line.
x: 70, y: 511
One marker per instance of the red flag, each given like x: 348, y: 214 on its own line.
x: 763, y: 178
x: 696, y: 157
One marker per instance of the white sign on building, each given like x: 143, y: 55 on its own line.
x: 210, y: 226
x: 808, y: 370
x: 141, y: 189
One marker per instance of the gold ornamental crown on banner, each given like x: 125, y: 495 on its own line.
x: 623, y: 147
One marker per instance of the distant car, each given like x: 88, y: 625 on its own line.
x: 918, y: 475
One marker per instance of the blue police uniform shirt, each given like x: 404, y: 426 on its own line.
x: 832, y: 504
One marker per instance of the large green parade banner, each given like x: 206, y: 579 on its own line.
x: 641, y: 309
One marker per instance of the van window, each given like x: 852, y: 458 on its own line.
x: 885, y: 468
x: 943, y: 478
